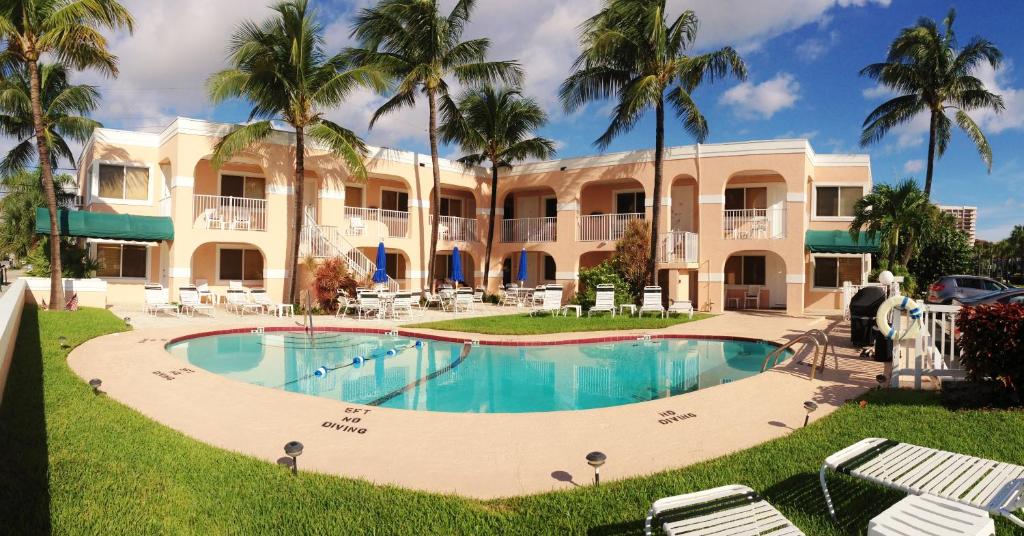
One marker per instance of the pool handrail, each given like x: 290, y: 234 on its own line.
x: 821, y: 343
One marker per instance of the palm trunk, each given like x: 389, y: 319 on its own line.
x: 932, y: 131
x: 490, y: 223
x: 659, y: 146
x: 56, y: 270
x: 300, y: 212
x: 435, y: 197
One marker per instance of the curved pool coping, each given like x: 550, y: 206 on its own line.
x: 456, y: 452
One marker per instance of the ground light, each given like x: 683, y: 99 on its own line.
x: 128, y: 321
x: 881, y: 379
x: 293, y: 449
x: 95, y: 383
x: 63, y: 342
x: 596, y: 460
x: 809, y: 407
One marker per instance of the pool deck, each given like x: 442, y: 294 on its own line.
x: 475, y: 455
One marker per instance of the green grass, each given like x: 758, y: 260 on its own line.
x: 73, y: 463
x: 523, y: 324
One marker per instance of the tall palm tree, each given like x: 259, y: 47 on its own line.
x: 422, y: 50
x: 632, y: 54
x: 895, y: 214
x: 65, y: 116
x: 933, y: 75
x: 495, y: 125
x: 280, y: 67
x: 69, y: 31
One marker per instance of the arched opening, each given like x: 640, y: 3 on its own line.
x: 541, y: 269
x: 443, y: 267
x: 457, y: 211
x: 529, y: 215
x: 755, y: 279
x: 683, y: 215
x: 219, y: 263
x: 396, y: 264
x: 755, y: 206
x: 607, y: 207
x: 233, y: 197
x: 379, y: 206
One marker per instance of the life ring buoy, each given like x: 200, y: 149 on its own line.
x: 902, y: 303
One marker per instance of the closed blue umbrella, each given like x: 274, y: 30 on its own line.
x: 381, y: 274
x: 522, y: 266
x: 457, y: 266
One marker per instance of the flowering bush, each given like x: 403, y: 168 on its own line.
x: 330, y: 276
x: 992, y: 343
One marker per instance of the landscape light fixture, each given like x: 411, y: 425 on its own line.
x: 63, y: 342
x: 95, y: 383
x: 128, y: 321
x: 881, y: 379
x: 809, y: 407
x: 293, y: 449
x: 596, y: 459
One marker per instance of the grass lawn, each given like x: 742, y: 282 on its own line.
x: 73, y: 463
x: 524, y: 324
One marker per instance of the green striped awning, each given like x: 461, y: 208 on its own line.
x: 105, y: 225
x: 839, y: 242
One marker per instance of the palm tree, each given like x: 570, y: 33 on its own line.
x: 631, y: 53
x: 22, y: 195
x: 422, y: 50
x: 69, y: 31
x: 895, y: 214
x: 65, y: 116
x: 495, y: 126
x: 279, y: 66
x: 932, y: 75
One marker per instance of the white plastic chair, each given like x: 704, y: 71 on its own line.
x: 213, y: 218
x: 367, y: 303
x: 242, y: 219
x: 680, y: 307
x: 651, y: 302
x: 203, y: 287
x: 753, y: 293
x: 733, y: 510
x: 463, y: 300
x: 356, y: 226
x: 238, y: 301
x: 478, y: 295
x: 191, y: 301
x: 157, y: 300
x: 260, y: 297
x: 402, y: 305
x: 605, y: 300
x: 551, y: 301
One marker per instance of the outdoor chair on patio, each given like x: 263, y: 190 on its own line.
x: 367, y: 304
x: 238, y: 302
x: 463, y: 300
x: 344, y: 303
x: 447, y: 297
x: 478, y: 295
x: 605, y: 300
x: 205, y: 294
x: 356, y: 226
x: 551, y: 300
x: 725, y: 511
x: 242, y: 220
x: 753, y: 294
x: 191, y: 302
x: 680, y: 307
x: 157, y: 300
x: 402, y: 305
x: 260, y: 297
x: 509, y: 295
x: 652, y: 302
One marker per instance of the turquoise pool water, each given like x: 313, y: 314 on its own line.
x: 399, y: 372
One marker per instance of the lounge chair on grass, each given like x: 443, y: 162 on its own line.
x: 157, y: 300
x: 725, y: 511
x: 605, y: 300
x: 238, y: 301
x: 991, y: 486
x: 191, y: 302
x: 652, y: 302
x: 550, y: 301
x: 680, y: 307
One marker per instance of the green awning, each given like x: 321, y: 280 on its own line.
x: 839, y: 242
x: 104, y: 225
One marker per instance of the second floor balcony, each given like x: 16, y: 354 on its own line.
x: 754, y: 224
x: 604, y: 227
x: 229, y: 213
x: 529, y: 230
x: 678, y: 247
x: 395, y: 222
x: 456, y: 229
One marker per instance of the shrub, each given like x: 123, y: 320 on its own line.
x: 75, y: 262
x: 632, y: 252
x: 992, y: 343
x: 603, y: 273
x: 944, y: 250
x: 330, y: 276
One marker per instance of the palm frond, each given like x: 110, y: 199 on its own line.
x: 239, y: 140
x: 342, y: 143
x: 974, y: 132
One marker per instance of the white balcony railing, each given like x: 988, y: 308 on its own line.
x: 396, y: 221
x: 226, y: 212
x: 604, y: 227
x: 754, y: 224
x: 529, y: 230
x: 678, y: 246
x: 455, y: 229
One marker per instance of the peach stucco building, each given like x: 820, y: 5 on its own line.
x: 735, y: 216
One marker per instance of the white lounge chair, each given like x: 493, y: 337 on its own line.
x: 402, y: 305
x: 509, y: 295
x: 551, y: 301
x: 995, y: 487
x: 605, y: 301
x: 478, y: 295
x: 238, y: 301
x: 368, y: 303
x: 651, y: 302
x: 234, y: 284
x: 463, y: 300
x: 205, y: 293
x: 191, y: 302
x: 260, y: 297
x: 680, y: 307
x: 727, y: 510
x: 157, y: 300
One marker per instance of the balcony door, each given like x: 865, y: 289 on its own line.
x: 394, y: 200
x: 629, y: 202
x: 243, y: 186
x: 451, y: 206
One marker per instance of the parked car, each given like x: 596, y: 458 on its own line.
x: 1013, y: 295
x: 958, y: 287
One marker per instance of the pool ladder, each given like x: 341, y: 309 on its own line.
x: 821, y: 344
x: 310, y: 334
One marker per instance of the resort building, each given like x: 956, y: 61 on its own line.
x: 759, y: 224
x: 966, y: 219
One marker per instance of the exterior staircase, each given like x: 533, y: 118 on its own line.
x: 326, y: 242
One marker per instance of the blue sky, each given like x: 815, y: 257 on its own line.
x: 803, y: 57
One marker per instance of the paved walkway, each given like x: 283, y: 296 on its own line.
x: 476, y: 455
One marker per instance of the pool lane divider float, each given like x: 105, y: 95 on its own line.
x: 466, y: 347
x: 356, y: 362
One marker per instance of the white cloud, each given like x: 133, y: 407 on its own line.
x: 814, y: 48
x: 877, y: 91
x: 913, y: 166
x: 750, y: 100
x: 997, y: 81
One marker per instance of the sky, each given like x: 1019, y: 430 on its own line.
x: 803, y: 58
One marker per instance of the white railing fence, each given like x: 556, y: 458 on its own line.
x: 850, y: 290
x: 935, y: 352
x: 396, y: 221
x: 678, y: 246
x: 604, y: 227
x: 529, y: 230
x: 325, y: 242
x: 455, y: 229
x: 226, y: 212
x: 754, y: 224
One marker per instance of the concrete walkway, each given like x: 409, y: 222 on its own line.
x: 476, y: 455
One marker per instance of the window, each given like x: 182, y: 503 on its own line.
x: 117, y: 260
x: 240, y: 186
x: 550, y: 207
x: 832, y: 272
x: 506, y: 271
x: 746, y: 198
x: 745, y: 270
x: 629, y: 202
x: 118, y: 181
x: 353, y: 196
x: 451, y: 207
x: 836, y: 201
x: 549, y: 268
x: 240, y: 265
x: 392, y: 200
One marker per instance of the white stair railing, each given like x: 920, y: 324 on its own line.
x: 678, y: 246
x: 325, y: 242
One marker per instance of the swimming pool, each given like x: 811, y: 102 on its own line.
x: 422, y: 374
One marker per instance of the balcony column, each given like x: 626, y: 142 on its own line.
x: 277, y: 242
x: 332, y: 205
x: 565, y: 226
x: 711, y: 289
x: 179, y: 263
x: 795, y: 292
x: 483, y: 221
